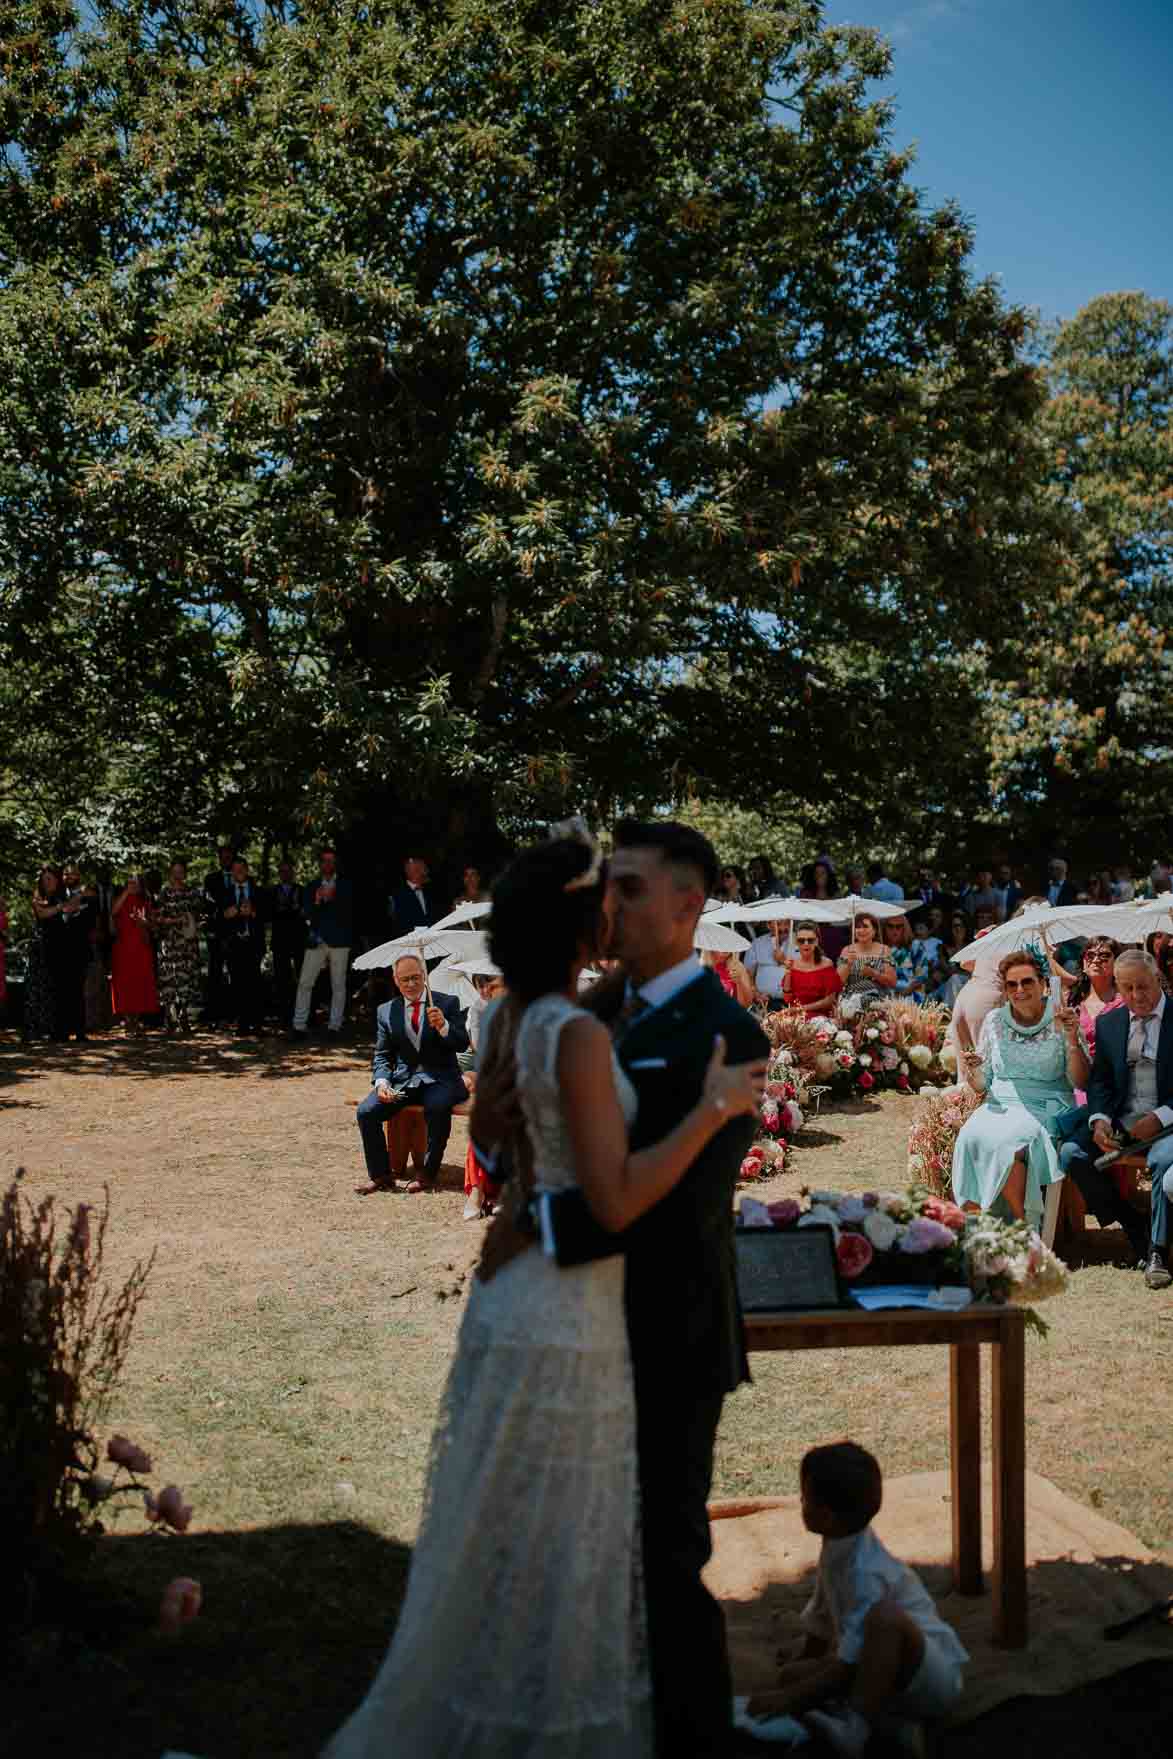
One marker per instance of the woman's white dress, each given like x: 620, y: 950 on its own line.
x: 521, y: 1635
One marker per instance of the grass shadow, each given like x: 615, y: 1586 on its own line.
x: 296, y: 1620
x: 271, y: 1057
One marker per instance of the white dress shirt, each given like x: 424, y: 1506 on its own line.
x: 661, y: 989
x: 764, y: 968
x: 856, y: 1573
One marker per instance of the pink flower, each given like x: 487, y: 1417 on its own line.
x: 772, y: 1123
x: 776, y: 1089
x: 180, y: 1604
x: 933, y: 1207
x: 888, y: 1035
x: 785, y: 1212
x: 854, y: 1253
x: 953, y: 1216
x: 128, y: 1454
x: 866, y: 1081
x: 902, y: 1083
x: 925, y: 1235
x: 168, y: 1507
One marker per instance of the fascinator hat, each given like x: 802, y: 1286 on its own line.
x: 576, y: 830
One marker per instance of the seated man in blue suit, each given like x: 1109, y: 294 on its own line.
x: 415, y: 1063
x: 1130, y: 1092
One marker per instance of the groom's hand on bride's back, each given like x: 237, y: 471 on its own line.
x: 734, y: 1088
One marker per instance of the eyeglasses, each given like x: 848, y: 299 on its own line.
x: 1100, y: 957
x: 804, y: 941
x: 1020, y: 983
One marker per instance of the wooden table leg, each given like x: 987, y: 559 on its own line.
x: 1009, y: 1473
x: 965, y: 1465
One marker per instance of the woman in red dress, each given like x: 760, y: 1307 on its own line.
x: 132, y: 972
x: 812, y: 981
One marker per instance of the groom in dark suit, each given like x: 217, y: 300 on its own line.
x: 683, y: 1315
x: 415, y: 1063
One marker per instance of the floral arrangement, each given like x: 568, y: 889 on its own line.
x: 790, y: 1094
x: 934, y: 1133
x: 64, y: 1337
x: 898, y: 1043
x: 999, y: 1261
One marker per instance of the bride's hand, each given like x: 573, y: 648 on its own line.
x: 734, y: 1089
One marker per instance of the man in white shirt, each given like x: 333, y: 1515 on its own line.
x: 1130, y: 1093
x: 881, y: 887
x: 766, y: 963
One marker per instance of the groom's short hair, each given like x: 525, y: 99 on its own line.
x: 679, y: 845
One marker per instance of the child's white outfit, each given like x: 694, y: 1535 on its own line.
x: 856, y: 1573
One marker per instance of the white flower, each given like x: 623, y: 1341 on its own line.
x: 844, y: 1038
x: 948, y: 1057
x: 872, y: 1032
x: 865, y: 1062
x: 881, y: 1230
x: 903, y: 1069
x: 920, y: 1054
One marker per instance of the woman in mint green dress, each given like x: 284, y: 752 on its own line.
x: 1028, y: 1062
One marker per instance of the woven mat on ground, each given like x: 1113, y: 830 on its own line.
x: 1083, y: 1573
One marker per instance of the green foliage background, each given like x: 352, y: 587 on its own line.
x: 419, y: 421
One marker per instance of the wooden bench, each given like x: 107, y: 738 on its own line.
x: 1065, y: 1212
x: 407, y: 1136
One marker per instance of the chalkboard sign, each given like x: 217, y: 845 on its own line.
x: 787, y: 1270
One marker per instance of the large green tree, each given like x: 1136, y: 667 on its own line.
x: 1082, y: 730
x: 460, y: 411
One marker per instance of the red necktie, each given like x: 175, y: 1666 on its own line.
x: 415, y: 1018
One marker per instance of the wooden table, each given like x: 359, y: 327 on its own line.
x: 1005, y: 1329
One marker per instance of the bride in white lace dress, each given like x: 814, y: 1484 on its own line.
x: 521, y: 1633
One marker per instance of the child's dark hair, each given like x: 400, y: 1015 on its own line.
x: 537, y: 926
x: 846, y: 1479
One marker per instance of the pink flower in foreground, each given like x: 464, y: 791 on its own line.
x: 128, y: 1454
x: 866, y: 1081
x: 854, y: 1253
x: 168, y: 1507
x: 902, y: 1083
x: 180, y: 1604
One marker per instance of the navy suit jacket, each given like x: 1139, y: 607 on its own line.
x: 405, y: 905
x: 396, y: 1059
x: 1107, y: 1087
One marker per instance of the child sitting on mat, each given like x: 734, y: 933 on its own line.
x: 876, y: 1648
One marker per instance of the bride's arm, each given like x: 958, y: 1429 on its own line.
x: 618, y: 1185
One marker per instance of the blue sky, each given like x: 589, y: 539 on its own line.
x: 1050, y: 122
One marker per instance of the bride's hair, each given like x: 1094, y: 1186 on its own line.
x: 537, y: 926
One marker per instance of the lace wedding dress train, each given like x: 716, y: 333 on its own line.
x: 521, y: 1635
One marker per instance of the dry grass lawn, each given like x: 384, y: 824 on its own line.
x: 292, y: 1348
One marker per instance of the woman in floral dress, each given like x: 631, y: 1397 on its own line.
x: 178, y: 917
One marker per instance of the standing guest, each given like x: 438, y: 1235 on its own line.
x: 42, y: 1009
x: 1008, y: 891
x: 930, y: 893
x: 765, y: 963
x: 77, y: 921
x: 1028, y: 1063
x: 217, y: 885
x: 911, y: 965
x: 1160, y: 879
x: 1130, y: 1093
x: 134, y: 992
x: 951, y: 977
x: 244, y: 948
x: 811, y: 981
x: 329, y: 909
x: 982, y: 896
x: 854, y: 882
x: 411, y: 904
x: 881, y: 887
x: 472, y: 889
x: 98, y: 1013
x: 287, y: 938
x: 415, y: 1063
x: 1097, y: 892
x: 1123, y: 890
x: 734, y: 886
x: 1060, y: 890
x: 732, y: 975
x: 764, y: 880
x: 818, y: 882
x: 180, y: 907
x: 865, y: 964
